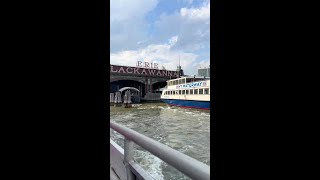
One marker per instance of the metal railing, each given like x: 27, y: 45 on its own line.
x: 185, y: 164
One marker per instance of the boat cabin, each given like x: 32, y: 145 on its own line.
x: 186, y: 79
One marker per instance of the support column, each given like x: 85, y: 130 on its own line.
x: 151, y: 88
x: 146, y: 86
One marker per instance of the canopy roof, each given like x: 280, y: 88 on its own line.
x: 128, y: 88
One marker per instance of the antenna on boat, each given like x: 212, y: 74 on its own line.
x: 179, y: 66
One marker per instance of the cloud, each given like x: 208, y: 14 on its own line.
x: 173, y: 40
x: 128, y: 24
x: 157, y: 53
x: 184, y: 33
x: 202, y: 13
x: 191, y: 25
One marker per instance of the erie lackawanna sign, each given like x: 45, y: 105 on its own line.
x: 114, y: 69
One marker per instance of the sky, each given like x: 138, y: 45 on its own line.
x: 161, y: 31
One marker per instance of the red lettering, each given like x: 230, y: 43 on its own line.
x: 165, y: 73
x: 152, y: 71
x: 128, y: 70
x: 144, y: 71
x: 135, y: 71
x: 112, y: 69
x: 121, y: 68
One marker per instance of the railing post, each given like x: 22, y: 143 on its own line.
x: 128, y: 156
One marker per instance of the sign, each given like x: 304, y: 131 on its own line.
x: 142, y: 71
x: 147, y: 65
x: 193, y: 84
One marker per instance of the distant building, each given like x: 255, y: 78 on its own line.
x: 204, y: 72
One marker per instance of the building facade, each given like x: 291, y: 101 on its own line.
x: 204, y: 72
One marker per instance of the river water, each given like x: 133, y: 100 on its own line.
x: 185, y: 130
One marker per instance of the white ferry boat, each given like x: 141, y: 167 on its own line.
x: 188, y: 92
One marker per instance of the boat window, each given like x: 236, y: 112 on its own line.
x: 184, y: 80
x: 191, y: 91
x: 187, y: 91
x: 200, y: 91
x: 171, y: 92
x: 183, y: 91
x: 179, y: 91
x: 196, y: 91
x: 174, y: 92
x: 189, y: 80
x: 206, y: 91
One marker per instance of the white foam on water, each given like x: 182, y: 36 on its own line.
x: 151, y: 164
x: 136, y: 105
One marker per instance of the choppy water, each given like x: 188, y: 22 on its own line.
x: 185, y: 130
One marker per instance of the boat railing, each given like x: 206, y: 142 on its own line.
x: 192, y: 168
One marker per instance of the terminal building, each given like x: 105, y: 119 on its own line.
x: 204, y: 72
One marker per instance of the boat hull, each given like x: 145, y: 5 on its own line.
x: 188, y: 103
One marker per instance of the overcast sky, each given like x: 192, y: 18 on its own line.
x: 160, y: 31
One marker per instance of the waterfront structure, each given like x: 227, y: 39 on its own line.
x: 189, y: 92
x: 204, y: 72
x: 146, y: 80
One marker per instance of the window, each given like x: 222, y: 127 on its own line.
x: 174, y: 92
x: 206, y: 91
x: 200, y: 91
x: 191, y: 91
x: 187, y: 91
x: 179, y: 91
x: 176, y: 82
x: 183, y: 91
x: 196, y: 91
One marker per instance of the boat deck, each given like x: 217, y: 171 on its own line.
x: 113, y: 175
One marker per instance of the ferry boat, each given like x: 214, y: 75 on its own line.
x: 188, y: 92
